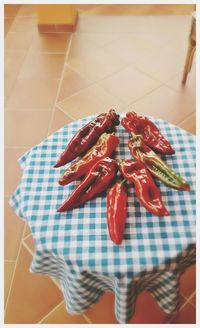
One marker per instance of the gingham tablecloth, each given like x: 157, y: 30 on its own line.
x: 75, y: 247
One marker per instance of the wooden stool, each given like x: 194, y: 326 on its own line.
x: 191, y: 49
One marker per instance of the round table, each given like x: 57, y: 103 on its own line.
x: 75, y: 247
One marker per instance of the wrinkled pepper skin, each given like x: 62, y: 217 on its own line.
x: 99, y: 178
x: 87, y: 136
x: 152, y: 136
x: 116, y: 211
x: 104, y: 147
x: 155, y: 165
x: 146, y: 190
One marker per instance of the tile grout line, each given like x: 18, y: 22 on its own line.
x: 14, y: 270
x: 55, y: 308
x: 78, y: 73
x: 95, y: 83
x: 183, y: 305
x: 146, y: 94
x: 27, y: 247
x: 187, y: 116
x: 153, y: 77
x: 87, y: 319
x: 51, y: 311
x: 26, y: 237
x: 60, y: 83
x: 190, y: 297
x: 10, y: 261
x: 61, y: 109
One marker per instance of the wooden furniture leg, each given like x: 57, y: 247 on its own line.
x: 191, y: 49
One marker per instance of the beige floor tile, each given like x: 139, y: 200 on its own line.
x: 135, y: 9
x: 50, y: 42
x: 132, y: 47
x: 17, y: 41
x: 111, y: 24
x: 162, y: 67
x: 27, y: 10
x: 99, y: 39
x: 7, y: 25
x: 33, y: 94
x: 81, y: 46
x: 72, y: 82
x: 11, y: 10
x: 59, y: 120
x: 61, y: 316
x: 103, y: 311
x: 26, y: 128
x: 13, y: 62
x: 24, y: 23
x: 13, y: 232
x: 40, y: 65
x: 12, y: 170
x: 91, y: 101
x: 92, y: 63
x: 189, y: 123
x: 168, y: 31
x: 166, y: 104
x: 30, y: 243
x: 129, y: 85
x: 28, y: 301
x: 8, y: 274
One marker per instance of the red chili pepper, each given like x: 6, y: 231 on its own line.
x: 151, y: 134
x: 158, y: 168
x: 87, y: 136
x: 104, y: 147
x: 146, y: 190
x: 99, y: 178
x: 116, y: 211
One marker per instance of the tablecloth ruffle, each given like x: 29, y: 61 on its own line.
x: 82, y: 289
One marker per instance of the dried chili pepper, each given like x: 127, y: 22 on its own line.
x: 87, y: 136
x: 152, y: 136
x: 146, y: 190
x: 104, y: 147
x: 116, y: 211
x: 158, y: 168
x: 98, y: 179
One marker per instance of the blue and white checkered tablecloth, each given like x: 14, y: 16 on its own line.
x: 75, y: 246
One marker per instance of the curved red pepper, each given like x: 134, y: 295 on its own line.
x: 87, y: 136
x: 152, y: 136
x: 158, y: 168
x: 104, y: 147
x: 98, y: 179
x: 116, y: 211
x: 146, y: 190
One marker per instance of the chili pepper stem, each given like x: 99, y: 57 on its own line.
x: 136, y: 135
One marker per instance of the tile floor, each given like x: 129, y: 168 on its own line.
x: 54, y: 78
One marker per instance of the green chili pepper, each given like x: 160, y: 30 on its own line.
x: 158, y: 168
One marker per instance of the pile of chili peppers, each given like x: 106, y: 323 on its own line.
x: 96, y: 142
